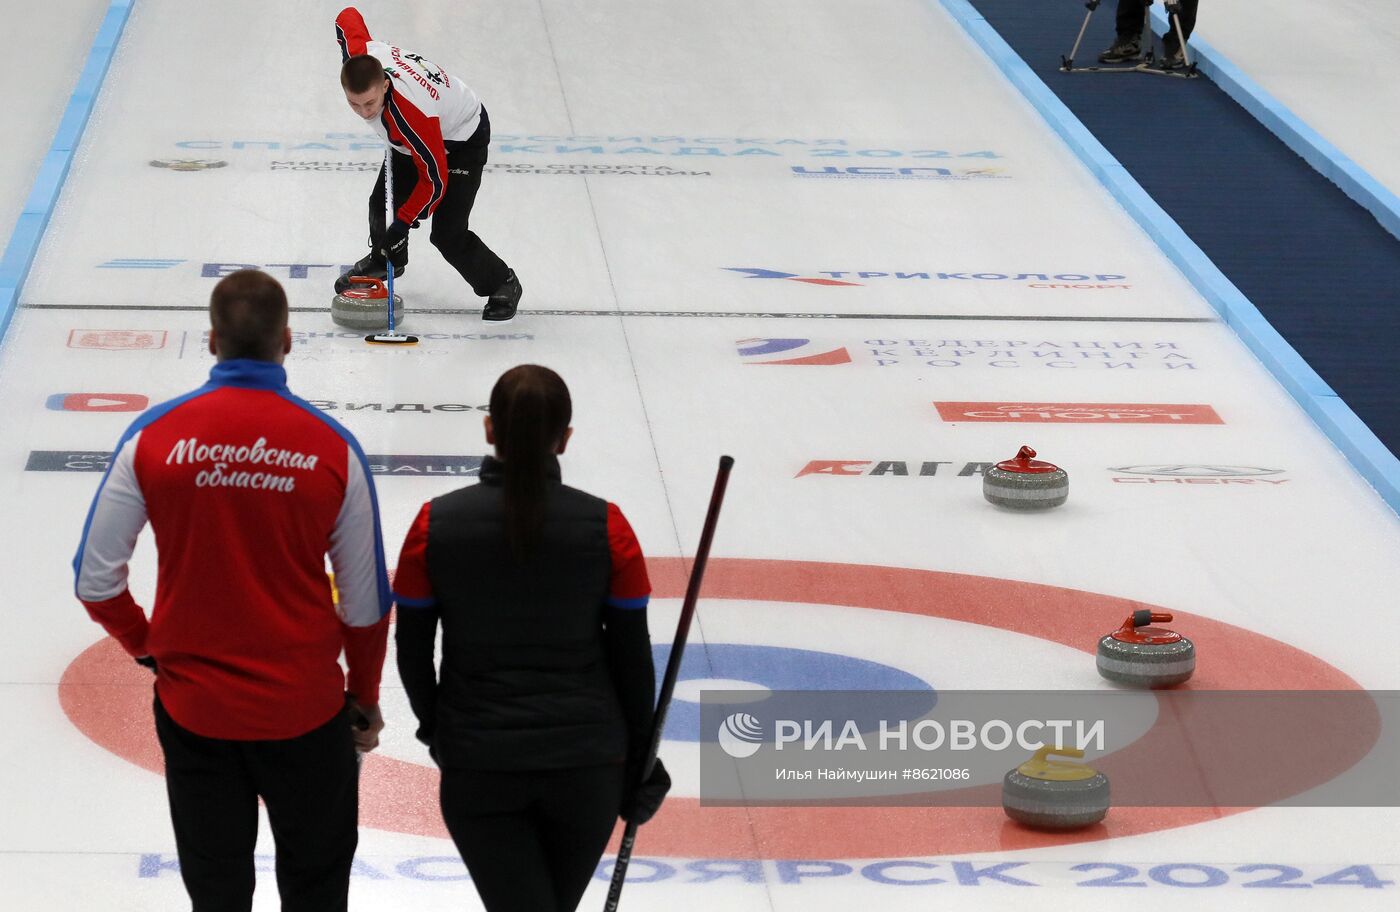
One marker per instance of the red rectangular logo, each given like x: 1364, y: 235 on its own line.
x: 117, y: 339
x: 1078, y: 412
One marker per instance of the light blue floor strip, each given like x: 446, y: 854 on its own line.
x: 48, y: 184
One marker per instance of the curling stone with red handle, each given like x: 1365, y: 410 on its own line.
x: 364, y: 305
x: 1144, y: 656
x: 1025, y: 483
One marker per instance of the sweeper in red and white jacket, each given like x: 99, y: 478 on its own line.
x: 439, y: 132
x: 247, y: 489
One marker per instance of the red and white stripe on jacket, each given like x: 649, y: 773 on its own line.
x: 425, y: 107
x: 247, y: 489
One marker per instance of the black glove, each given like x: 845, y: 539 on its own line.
x: 395, y: 240
x: 641, y: 802
x: 148, y: 662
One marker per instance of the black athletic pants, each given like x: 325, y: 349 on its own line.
x: 531, y: 840
x: 310, y: 786
x: 459, y: 245
x: 1132, y: 14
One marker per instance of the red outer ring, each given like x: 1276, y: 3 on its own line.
x: 108, y: 698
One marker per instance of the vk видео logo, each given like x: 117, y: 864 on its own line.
x: 762, y: 351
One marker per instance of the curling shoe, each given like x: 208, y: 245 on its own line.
x: 500, y: 307
x: 1172, y: 58
x: 1123, y: 50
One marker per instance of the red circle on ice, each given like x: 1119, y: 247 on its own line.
x: 108, y: 698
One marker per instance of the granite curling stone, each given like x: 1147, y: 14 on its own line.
x: 364, y: 305
x: 1054, y: 794
x: 1143, y: 656
x: 1025, y: 483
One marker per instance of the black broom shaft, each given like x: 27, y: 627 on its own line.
x: 692, y: 596
x: 673, y: 670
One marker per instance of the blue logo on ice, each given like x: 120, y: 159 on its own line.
x: 754, y: 347
x: 140, y: 264
x: 759, y: 351
x: 764, y: 669
x: 880, y: 173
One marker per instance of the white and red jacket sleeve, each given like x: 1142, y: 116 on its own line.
x: 115, y: 521
x: 410, y: 120
x: 351, y: 33
x: 364, y: 623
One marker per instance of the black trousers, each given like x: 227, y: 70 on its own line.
x: 531, y: 840
x: 311, y: 789
x: 1132, y: 15
x: 460, y: 247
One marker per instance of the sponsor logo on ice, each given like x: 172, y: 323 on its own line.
x: 1198, y: 474
x: 97, y: 402
x: 866, y: 468
x: 593, y: 169
x: 630, y: 144
x: 830, y: 172
x: 843, y: 277
x: 1002, y: 354
x: 219, y: 270
x: 117, y: 339
x: 360, y: 167
x: 188, y: 164
x: 789, y: 351
x: 134, y: 263
x: 755, y: 272
x: 1077, y: 413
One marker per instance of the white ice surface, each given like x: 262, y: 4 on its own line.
x: 1310, y: 560
x: 48, y: 47
x: 1334, y: 65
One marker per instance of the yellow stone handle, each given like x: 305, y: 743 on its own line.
x: 1040, y: 766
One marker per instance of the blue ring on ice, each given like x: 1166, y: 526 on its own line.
x: 782, y: 668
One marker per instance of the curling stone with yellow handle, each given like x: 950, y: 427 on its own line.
x: 1055, y: 794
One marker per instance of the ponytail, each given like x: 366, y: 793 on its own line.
x: 530, y: 411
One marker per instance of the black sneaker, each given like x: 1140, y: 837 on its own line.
x: 371, y: 267
x: 1172, y: 58
x: 500, y: 307
x: 1123, y: 50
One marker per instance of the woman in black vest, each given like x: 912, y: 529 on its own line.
x: 542, y: 713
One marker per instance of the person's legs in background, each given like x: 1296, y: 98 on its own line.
x: 1128, y: 24
x: 1172, y: 53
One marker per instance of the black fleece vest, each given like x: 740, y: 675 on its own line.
x: 524, y: 682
